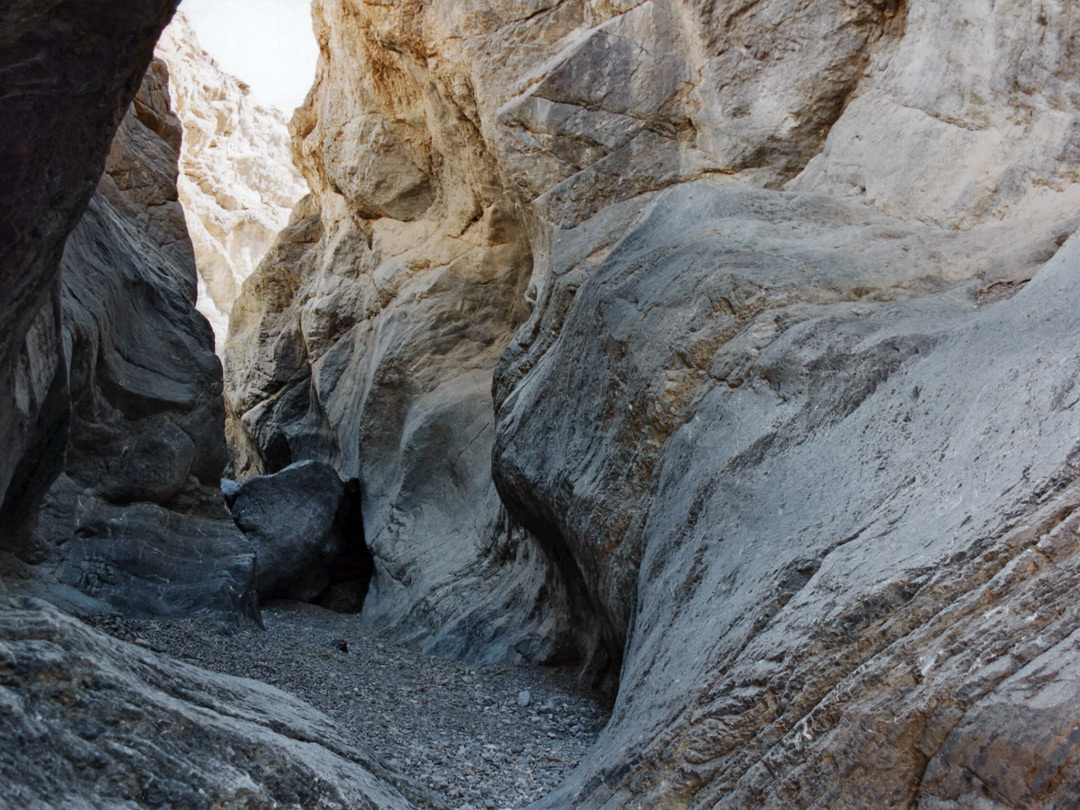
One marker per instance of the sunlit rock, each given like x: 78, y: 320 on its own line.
x: 237, y: 181
x: 790, y: 414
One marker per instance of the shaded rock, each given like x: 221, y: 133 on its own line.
x: 141, y: 560
x: 86, y: 719
x: 297, y: 524
x: 368, y: 337
x: 97, y: 58
x: 137, y: 523
x: 145, y: 384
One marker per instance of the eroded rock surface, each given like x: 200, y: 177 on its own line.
x: 368, y: 339
x: 237, y: 182
x: 90, y: 721
x: 304, y: 527
x: 137, y: 521
x: 790, y: 418
x: 97, y: 59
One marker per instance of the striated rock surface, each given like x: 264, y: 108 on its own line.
x: 789, y: 426
x: 98, y: 57
x: 368, y: 339
x: 137, y: 520
x: 90, y: 721
x: 795, y: 484
x: 237, y: 183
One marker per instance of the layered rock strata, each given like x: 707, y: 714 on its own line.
x: 137, y: 520
x: 237, y: 182
x: 89, y: 721
x: 790, y: 417
x: 97, y: 59
x: 369, y: 336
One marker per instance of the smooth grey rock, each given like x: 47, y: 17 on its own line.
x: 90, y: 721
x: 229, y: 490
x: 802, y: 464
x: 144, y: 381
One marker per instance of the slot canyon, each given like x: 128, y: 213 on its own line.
x: 572, y: 404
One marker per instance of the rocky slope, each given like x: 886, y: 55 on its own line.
x: 89, y: 721
x: 790, y: 419
x: 237, y: 183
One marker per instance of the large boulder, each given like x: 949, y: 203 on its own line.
x: 300, y: 524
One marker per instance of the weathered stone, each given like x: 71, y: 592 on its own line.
x: 368, y: 338
x: 137, y: 523
x: 791, y: 426
x: 141, y: 560
x: 237, y: 179
x: 295, y: 521
x: 783, y: 457
x: 97, y: 58
x: 89, y: 721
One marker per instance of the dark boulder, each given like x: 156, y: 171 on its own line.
x: 302, y: 525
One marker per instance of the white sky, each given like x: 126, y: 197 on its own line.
x: 267, y: 43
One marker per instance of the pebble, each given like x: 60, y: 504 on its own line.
x: 462, y: 730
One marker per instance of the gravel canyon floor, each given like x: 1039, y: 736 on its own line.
x: 486, y: 736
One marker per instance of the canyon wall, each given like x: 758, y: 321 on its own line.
x: 112, y: 474
x: 112, y: 501
x: 48, y: 176
x: 137, y: 519
x: 368, y: 339
x: 788, y: 411
x: 238, y: 183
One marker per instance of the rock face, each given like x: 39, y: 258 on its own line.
x: 137, y: 521
x: 238, y: 183
x: 98, y: 58
x: 791, y: 418
x: 112, y: 379
x: 152, y: 731
x: 369, y: 336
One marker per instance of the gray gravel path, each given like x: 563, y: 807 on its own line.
x: 483, y: 737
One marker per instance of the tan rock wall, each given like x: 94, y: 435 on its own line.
x: 787, y: 408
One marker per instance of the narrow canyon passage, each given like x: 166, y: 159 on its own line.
x: 719, y: 355
x: 479, y: 736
